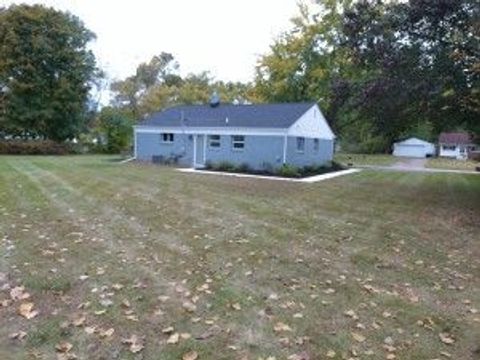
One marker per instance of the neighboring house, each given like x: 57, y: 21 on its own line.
x: 262, y: 136
x: 455, y: 145
x: 413, y: 147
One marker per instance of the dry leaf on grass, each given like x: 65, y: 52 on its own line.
x: 302, y: 356
x: 18, y: 293
x: 135, y: 343
x: 26, y: 310
x: 358, y: 337
x: 446, y: 338
x: 279, y: 327
x: 331, y: 354
x: 20, y: 335
x: 168, y: 330
x: 90, y: 329
x: 106, y: 333
x: 192, y: 355
x: 189, y: 306
x: 63, y: 347
x: 173, y: 339
x: 79, y: 320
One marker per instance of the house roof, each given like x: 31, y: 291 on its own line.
x: 249, y: 116
x: 413, y: 141
x: 455, y: 138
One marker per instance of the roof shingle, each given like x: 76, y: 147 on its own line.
x: 455, y: 138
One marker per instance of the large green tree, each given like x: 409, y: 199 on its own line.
x: 46, y: 72
x: 380, y: 69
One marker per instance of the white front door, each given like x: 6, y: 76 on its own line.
x: 199, y: 151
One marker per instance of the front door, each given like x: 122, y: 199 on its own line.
x: 199, y: 148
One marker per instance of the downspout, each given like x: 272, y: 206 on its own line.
x: 285, y: 139
x: 134, y: 142
x: 194, y: 150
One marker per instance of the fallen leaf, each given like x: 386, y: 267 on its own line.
x: 90, y: 329
x: 279, y: 327
x: 106, y: 333
x: 18, y: 293
x: 63, y: 347
x: 173, y: 339
x: 189, y: 306
x: 192, y: 355
x: 331, y: 354
x: 20, y: 335
x: 358, y: 337
x: 26, y: 310
x: 167, y: 330
x: 446, y: 338
x: 79, y: 320
x: 135, y: 343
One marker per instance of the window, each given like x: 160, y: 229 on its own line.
x: 449, y: 147
x: 316, y: 145
x: 238, y: 142
x: 300, y: 144
x: 166, y: 138
x: 214, y: 141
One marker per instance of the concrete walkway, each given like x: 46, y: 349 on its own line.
x: 410, y: 163
x: 418, y: 169
x: 415, y: 164
x: 310, y: 179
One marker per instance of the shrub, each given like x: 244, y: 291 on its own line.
x: 34, y: 147
x: 224, y: 166
x: 244, y: 168
x: 287, y: 170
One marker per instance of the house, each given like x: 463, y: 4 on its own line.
x: 262, y: 136
x: 456, y: 145
x: 413, y: 147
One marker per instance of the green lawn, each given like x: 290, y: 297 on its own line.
x: 365, y: 159
x: 363, y: 266
x: 452, y: 164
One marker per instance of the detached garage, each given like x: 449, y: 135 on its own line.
x: 413, y: 147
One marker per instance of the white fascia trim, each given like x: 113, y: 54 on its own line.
x: 211, y: 131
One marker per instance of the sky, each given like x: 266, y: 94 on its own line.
x: 224, y: 37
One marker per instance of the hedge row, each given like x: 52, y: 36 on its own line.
x: 34, y: 147
x: 285, y: 170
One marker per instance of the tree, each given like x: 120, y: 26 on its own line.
x: 380, y: 69
x: 157, y: 85
x: 115, y: 126
x: 46, y: 70
x: 160, y: 70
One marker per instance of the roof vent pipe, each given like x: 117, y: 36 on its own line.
x: 214, y: 100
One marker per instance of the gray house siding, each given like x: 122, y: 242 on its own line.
x: 259, y: 151
x: 149, y: 145
x: 309, y: 156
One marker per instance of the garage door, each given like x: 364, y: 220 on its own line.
x: 410, y: 150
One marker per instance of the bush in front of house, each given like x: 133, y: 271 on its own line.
x: 286, y: 170
x: 289, y: 171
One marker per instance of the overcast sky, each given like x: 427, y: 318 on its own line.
x: 224, y: 37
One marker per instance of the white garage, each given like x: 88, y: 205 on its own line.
x: 413, y: 147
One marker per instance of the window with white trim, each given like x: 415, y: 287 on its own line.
x: 214, y: 141
x: 166, y: 138
x: 316, y: 145
x: 238, y: 142
x: 449, y: 147
x: 300, y: 144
